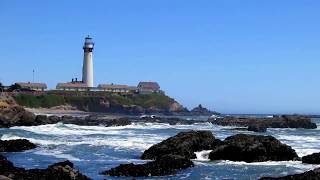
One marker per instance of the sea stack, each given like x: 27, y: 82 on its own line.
x: 87, y: 71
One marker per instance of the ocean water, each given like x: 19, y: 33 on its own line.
x: 94, y: 149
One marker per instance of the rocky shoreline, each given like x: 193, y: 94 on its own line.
x: 17, y: 145
x: 176, y: 152
x: 170, y: 156
x: 165, y: 165
x: 18, y: 116
x: 62, y: 170
x: 309, y: 175
x: 261, y: 124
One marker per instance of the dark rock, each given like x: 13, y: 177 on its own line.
x: 165, y: 165
x: 68, y: 119
x: 58, y: 171
x: 41, y: 119
x: 252, y: 148
x: 16, y: 145
x: 183, y: 144
x: 311, y: 159
x: 284, y: 121
x: 257, y: 128
x: 16, y: 116
x: 117, y: 122
x: 5, y: 165
x: 27, y: 119
x: 54, y: 119
x: 95, y: 120
x: 167, y: 120
x: 309, y: 175
x: 200, y: 110
x: 64, y: 163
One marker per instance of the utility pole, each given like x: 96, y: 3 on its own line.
x: 33, y: 76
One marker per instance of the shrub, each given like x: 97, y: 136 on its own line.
x: 33, y: 101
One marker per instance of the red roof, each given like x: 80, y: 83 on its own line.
x: 32, y: 85
x: 71, y: 85
x: 113, y: 86
x: 149, y: 85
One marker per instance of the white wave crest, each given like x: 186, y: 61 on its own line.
x: 71, y: 129
x: 203, y: 155
x: 129, y: 140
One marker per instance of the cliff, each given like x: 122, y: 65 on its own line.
x: 133, y: 104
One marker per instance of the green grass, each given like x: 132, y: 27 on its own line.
x: 150, y: 100
x: 84, y: 102
x: 45, y: 101
x: 122, y: 100
x: 81, y: 100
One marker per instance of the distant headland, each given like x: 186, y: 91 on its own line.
x: 144, y: 98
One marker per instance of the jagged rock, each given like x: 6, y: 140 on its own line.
x: 13, y: 115
x: 118, y: 122
x: 167, y: 120
x: 68, y: 119
x: 16, y: 116
x: 252, y: 148
x: 284, y: 121
x: 309, y: 175
x: 5, y: 165
x: 200, y: 110
x: 311, y: 159
x: 176, y: 107
x: 183, y: 144
x: 54, y: 119
x: 257, y: 128
x: 41, y: 119
x: 16, y: 145
x: 58, y: 171
x: 165, y: 165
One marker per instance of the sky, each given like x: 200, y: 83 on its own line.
x: 232, y: 56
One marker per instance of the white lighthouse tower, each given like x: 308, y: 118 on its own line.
x: 87, y: 71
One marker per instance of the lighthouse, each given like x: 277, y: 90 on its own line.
x: 87, y: 70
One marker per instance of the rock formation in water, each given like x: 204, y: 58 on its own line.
x: 311, y: 159
x: 164, y: 165
x: 284, y: 121
x: 17, y: 145
x: 309, y: 175
x: 183, y: 144
x: 257, y: 128
x: 58, y: 171
x: 16, y: 116
x: 252, y: 148
x: 201, y: 111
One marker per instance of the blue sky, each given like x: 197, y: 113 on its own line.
x: 235, y: 56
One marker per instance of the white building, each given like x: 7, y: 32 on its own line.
x: 148, y: 87
x: 87, y: 70
x: 33, y: 86
x: 72, y: 86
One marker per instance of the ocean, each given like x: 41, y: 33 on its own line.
x: 94, y: 149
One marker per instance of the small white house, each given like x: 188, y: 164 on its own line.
x: 114, y: 88
x: 33, y: 86
x: 148, y: 87
x: 72, y: 86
